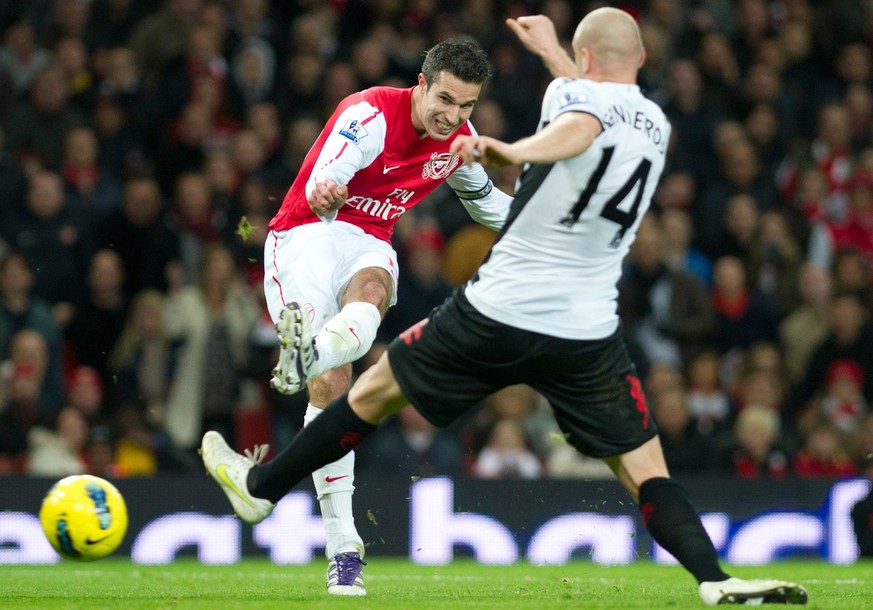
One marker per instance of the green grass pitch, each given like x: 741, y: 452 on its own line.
x: 395, y: 584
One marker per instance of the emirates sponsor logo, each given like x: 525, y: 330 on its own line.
x: 440, y: 165
x: 376, y: 207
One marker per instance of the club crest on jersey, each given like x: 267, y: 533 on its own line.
x: 440, y: 165
x: 353, y: 130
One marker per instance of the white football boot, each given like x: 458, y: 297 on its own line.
x: 296, y: 350
x: 752, y: 592
x: 230, y: 470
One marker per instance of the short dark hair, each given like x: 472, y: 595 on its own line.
x: 461, y: 58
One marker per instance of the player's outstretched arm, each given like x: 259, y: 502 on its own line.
x: 567, y: 136
x: 537, y: 34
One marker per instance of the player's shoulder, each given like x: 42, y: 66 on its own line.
x: 384, y: 96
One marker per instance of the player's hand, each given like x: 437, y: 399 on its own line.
x: 536, y: 33
x: 490, y: 152
x: 327, y: 197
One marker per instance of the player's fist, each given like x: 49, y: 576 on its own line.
x: 536, y: 33
x: 327, y: 197
x: 482, y: 149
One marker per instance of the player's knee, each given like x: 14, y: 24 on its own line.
x: 371, y: 285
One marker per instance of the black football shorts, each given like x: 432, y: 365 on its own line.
x: 456, y: 357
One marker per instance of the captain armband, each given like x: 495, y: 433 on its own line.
x: 470, y: 195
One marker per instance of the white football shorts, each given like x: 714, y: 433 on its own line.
x: 313, y: 263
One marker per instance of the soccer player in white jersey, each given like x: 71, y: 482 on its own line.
x: 542, y: 308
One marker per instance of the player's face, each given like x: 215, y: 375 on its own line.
x: 443, y: 106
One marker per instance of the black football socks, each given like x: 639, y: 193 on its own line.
x: 330, y: 436
x: 675, y: 525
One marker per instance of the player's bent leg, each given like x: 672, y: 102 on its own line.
x: 666, y: 510
x: 376, y: 394
x: 346, y: 337
x: 674, y: 524
x: 639, y: 465
x: 349, y: 335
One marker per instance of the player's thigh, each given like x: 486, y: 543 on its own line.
x: 597, y: 396
x: 376, y: 393
x: 300, y: 265
x: 439, y: 366
x: 367, y: 259
x: 639, y: 465
x: 370, y: 285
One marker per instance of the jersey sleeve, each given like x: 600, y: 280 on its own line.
x: 486, y: 204
x: 356, y: 139
x: 572, y: 95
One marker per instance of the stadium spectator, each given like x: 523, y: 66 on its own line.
x: 830, y: 151
x: 58, y: 451
x: 142, y: 361
x: 252, y: 76
x: 212, y: 320
x: 72, y: 57
x: 198, y: 222
x: 20, y: 309
x: 679, y: 253
x: 745, y: 315
x: 138, y: 231
x: 686, y: 450
x: 666, y: 311
x: 708, y: 403
x: 20, y: 402
x: 99, y: 317
x: 693, y: 120
x: 755, y: 448
x: 823, y: 454
x: 740, y: 173
x: 86, y: 185
x: 56, y: 240
x: 851, y: 273
x: 506, y: 454
x: 849, y: 339
x: 160, y: 37
x: 841, y: 402
x: 775, y: 260
x: 85, y: 393
x: 518, y: 403
x: 38, y: 124
x: 739, y: 227
x: 21, y: 55
x: 806, y: 327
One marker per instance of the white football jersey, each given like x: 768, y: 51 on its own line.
x: 555, y: 267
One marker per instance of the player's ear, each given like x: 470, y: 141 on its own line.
x: 422, y: 81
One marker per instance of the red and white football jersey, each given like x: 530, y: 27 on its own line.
x: 370, y: 145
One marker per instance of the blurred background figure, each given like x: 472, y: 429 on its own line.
x: 412, y: 446
x: 506, y: 454
x: 213, y: 320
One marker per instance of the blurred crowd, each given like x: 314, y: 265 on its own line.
x: 147, y: 143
